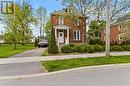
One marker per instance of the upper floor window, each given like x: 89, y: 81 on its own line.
x: 77, y: 35
x: 119, y: 27
x: 77, y: 22
x: 61, y: 20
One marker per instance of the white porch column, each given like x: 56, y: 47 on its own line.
x: 67, y: 41
x: 56, y: 34
x: 56, y: 37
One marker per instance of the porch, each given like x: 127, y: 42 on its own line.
x: 62, y: 35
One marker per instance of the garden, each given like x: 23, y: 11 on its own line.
x: 94, y: 46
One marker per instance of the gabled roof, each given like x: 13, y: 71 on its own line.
x: 66, y: 12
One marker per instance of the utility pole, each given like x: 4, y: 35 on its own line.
x: 108, y: 28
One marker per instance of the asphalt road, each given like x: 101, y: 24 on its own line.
x: 105, y: 76
x: 23, y: 68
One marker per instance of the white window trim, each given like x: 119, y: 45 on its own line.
x: 119, y: 27
x: 76, y: 35
x: 120, y: 36
x: 61, y: 20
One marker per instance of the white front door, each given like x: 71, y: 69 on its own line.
x: 61, y: 37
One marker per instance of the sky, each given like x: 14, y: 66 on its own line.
x: 50, y: 5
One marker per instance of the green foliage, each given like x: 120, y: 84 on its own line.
x: 53, y: 48
x: 94, y: 28
x: 6, y: 50
x: 48, y: 28
x: 36, y: 42
x: 89, y: 49
x: 126, y: 47
x: 72, y: 45
x: 17, y: 25
x: 56, y: 65
x: 78, y: 48
x: 116, y: 48
x: 66, y: 49
x: 94, y: 41
x: 98, y: 48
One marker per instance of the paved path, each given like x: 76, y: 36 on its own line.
x: 100, y: 76
x: 46, y: 58
x: 22, y: 68
x: 30, y: 53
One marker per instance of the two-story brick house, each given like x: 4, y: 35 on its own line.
x: 119, y: 31
x: 68, y: 28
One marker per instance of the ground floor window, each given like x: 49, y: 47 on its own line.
x: 77, y: 35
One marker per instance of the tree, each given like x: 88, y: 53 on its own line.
x: 95, y: 28
x: 48, y: 28
x: 17, y: 25
x: 83, y: 7
x: 53, y: 48
x: 41, y: 16
x: 117, y: 9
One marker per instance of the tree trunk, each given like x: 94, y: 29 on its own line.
x: 108, y: 28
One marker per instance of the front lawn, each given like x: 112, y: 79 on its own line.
x: 7, y: 50
x: 80, y: 62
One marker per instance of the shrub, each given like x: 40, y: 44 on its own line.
x: 53, y: 48
x: 36, y: 42
x: 98, y: 48
x: 89, y: 48
x: 72, y: 45
x: 116, y: 48
x: 126, y: 47
x: 78, y: 48
x: 96, y: 41
x: 66, y: 49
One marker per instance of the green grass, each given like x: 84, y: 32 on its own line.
x: 80, y: 62
x: 45, y: 53
x: 8, y: 50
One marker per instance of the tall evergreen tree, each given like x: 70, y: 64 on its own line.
x: 53, y: 48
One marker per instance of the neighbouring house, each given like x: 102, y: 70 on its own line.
x: 69, y: 28
x: 119, y: 31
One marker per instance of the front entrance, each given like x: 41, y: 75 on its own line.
x: 61, y: 37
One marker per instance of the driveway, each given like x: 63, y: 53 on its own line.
x: 103, y: 76
x: 23, y: 68
x: 30, y: 53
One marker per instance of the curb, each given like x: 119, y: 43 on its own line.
x: 64, y: 71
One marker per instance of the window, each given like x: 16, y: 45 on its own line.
x: 119, y: 27
x: 61, y: 20
x: 77, y: 22
x: 76, y: 35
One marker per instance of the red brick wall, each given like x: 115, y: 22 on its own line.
x: 70, y: 23
x: 113, y: 34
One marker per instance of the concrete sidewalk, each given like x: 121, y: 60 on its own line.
x: 47, y: 58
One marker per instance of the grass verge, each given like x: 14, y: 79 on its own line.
x: 80, y: 62
x: 7, y: 50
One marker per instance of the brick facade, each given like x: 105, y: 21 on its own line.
x: 68, y: 22
x: 114, y: 32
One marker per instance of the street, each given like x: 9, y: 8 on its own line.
x: 100, y: 76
